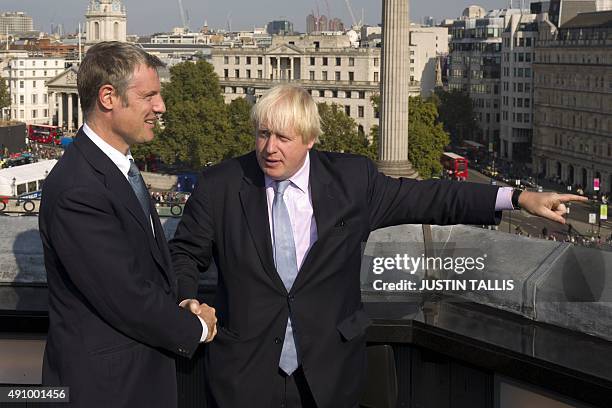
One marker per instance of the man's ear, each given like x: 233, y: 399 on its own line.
x: 107, y: 96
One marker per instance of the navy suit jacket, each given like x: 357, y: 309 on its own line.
x: 226, y: 218
x: 113, y: 318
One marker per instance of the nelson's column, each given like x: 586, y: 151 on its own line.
x: 393, y: 133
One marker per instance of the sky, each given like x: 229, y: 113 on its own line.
x: 150, y: 16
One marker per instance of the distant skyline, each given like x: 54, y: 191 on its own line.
x: 150, y: 16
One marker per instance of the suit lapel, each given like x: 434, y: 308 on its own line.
x: 325, y: 209
x: 255, y: 210
x: 162, y: 246
x: 120, y: 187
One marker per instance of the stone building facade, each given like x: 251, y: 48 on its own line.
x: 518, y: 54
x: 27, y: 78
x: 572, y: 140
x: 327, y: 66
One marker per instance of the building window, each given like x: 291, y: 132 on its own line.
x: 338, y: 61
x: 324, y: 73
x: 334, y: 94
x: 312, y: 60
x: 347, y: 110
x: 226, y: 73
x: 34, y: 113
x: 34, y: 99
x: 259, y: 74
x: 46, y: 113
x: 21, y: 99
x: 351, y: 76
x: 248, y: 61
x: 360, y: 111
x: 376, y: 77
x: 337, y: 75
x: 237, y: 73
x: 259, y: 60
x: 237, y: 60
x: 361, y: 94
x: 324, y: 61
x: 33, y: 84
x: 20, y: 73
x: 312, y: 75
x: 248, y: 73
x: 351, y: 62
x: 376, y: 60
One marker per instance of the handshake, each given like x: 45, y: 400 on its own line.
x: 206, y: 313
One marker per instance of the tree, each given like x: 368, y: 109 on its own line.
x: 196, y: 129
x: 457, y: 114
x: 427, y: 137
x: 339, y: 132
x: 239, y: 113
x: 5, y: 98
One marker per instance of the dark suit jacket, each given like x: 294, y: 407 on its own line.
x: 226, y: 218
x: 113, y: 316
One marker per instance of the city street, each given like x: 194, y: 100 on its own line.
x: 532, y: 225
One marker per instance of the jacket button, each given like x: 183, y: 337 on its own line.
x: 291, y: 298
x: 277, y: 340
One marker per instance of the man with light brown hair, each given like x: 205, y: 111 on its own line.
x: 114, y: 323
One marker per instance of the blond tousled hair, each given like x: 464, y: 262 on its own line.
x: 288, y: 106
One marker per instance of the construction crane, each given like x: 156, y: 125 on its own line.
x: 184, y: 19
x: 350, y: 9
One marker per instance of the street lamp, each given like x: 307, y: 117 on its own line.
x: 14, y: 187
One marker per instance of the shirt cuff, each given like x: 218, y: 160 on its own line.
x: 204, y: 330
x: 504, y: 199
x: 202, y: 322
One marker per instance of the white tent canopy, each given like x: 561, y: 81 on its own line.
x: 28, y: 177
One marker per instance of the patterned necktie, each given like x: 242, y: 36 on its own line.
x: 286, y: 265
x: 139, y: 188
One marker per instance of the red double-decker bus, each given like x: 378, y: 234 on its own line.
x: 455, y: 166
x: 45, y: 134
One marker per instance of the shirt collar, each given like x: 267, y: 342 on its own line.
x: 121, y: 161
x: 300, y: 179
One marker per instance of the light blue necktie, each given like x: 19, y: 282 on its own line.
x: 286, y: 265
x: 142, y: 194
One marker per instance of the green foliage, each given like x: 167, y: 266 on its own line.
x: 239, y: 112
x: 457, y: 114
x: 339, y: 132
x: 5, y: 99
x: 427, y: 137
x: 196, y: 127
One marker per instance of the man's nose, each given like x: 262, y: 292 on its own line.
x: 271, y: 144
x: 159, y: 106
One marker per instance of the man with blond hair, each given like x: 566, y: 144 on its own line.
x: 284, y: 225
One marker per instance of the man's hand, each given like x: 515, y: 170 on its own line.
x: 190, y: 304
x: 548, y: 205
x: 207, y: 313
